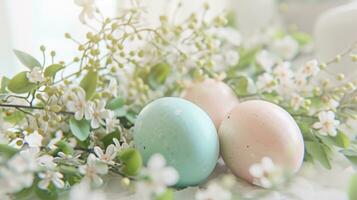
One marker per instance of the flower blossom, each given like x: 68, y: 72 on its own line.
x: 93, y: 169
x: 88, y: 9
x: 266, y: 173
x: 327, y: 123
x: 106, y: 156
x: 35, y: 75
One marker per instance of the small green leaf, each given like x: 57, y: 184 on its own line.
x: 65, y: 147
x: 302, y: 38
x: 158, y: 74
x: 243, y: 85
x: 247, y: 57
x: 352, y: 188
x: 4, y: 83
x: 351, y: 155
x: 26, y: 59
x: 108, y: 139
x: 7, y: 151
x: 168, y: 194
x: 80, y: 129
x: 50, y: 194
x: 132, y: 161
x: 19, y: 84
x: 319, y: 152
x: 342, y: 140
x: 89, y: 83
x: 117, y: 105
x: 51, y: 70
x: 14, y: 117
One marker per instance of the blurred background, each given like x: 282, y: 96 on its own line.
x: 25, y: 25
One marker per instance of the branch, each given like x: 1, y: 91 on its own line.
x: 31, y: 107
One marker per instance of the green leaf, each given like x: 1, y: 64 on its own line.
x: 14, y: 117
x: 50, y: 194
x: 26, y: 59
x: 19, y: 84
x: 80, y: 129
x: 243, y: 85
x: 319, y: 152
x: 89, y: 83
x: 117, y: 105
x: 108, y: 139
x: 132, y: 161
x: 65, y: 147
x: 168, y: 194
x: 51, y: 70
x: 340, y: 140
x: 352, y: 188
x: 301, y: 38
x: 7, y: 151
x: 247, y: 57
x: 351, y: 155
x: 158, y: 74
x: 4, y: 83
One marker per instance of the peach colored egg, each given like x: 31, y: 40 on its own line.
x: 213, y: 96
x: 256, y: 129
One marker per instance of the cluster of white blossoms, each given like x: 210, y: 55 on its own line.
x: 160, y: 177
x: 266, y: 173
x: 95, y: 112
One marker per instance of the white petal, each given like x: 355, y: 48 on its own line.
x: 170, y: 175
x: 58, y: 182
x: 268, y: 165
x: 156, y: 162
x: 43, y: 184
x: 256, y: 170
x: 98, y: 151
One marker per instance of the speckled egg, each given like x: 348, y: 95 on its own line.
x: 183, y: 133
x: 213, y: 96
x: 257, y: 129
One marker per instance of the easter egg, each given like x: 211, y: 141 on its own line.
x: 183, y: 133
x: 257, y: 129
x: 213, y: 96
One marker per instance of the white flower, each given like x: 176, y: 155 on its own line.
x: 283, y: 71
x: 68, y: 159
x: 92, y: 169
x: 311, y: 68
x: 327, y: 124
x: 34, y: 139
x: 296, y: 101
x: 332, y: 104
x: 265, y: 173
x: 35, y: 75
x: 231, y: 58
x: 266, y: 82
x: 286, y: 47
x: 159, y: 174
x: 47, y: 161
x: 88, y: 9
x: 83, y: 191
x: 50, y: 176
x: 118, y: 146
x: 213, y: 192
x: 109, y: 154
x: 77, y: 103
x: 113, y: 87
x: 97, y: 114
x: 111, y: 122
x: 300, y: 80
x: 266, y: 60
x: 17, y: 143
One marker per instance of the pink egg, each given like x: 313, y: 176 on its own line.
x: 256, y: 129
x: 214, y: 97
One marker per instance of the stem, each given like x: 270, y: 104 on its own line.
x: 31, y: 107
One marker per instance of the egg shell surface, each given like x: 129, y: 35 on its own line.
x: 183, y: 133
x: 213, y: 96
x: 256, y: 129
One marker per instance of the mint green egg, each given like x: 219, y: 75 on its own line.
x: 183, y: 133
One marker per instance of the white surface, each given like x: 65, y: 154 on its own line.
x: 311, y: 183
